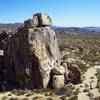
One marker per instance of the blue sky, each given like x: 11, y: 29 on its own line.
x: 63, y: 12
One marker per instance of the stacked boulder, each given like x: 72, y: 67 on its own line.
x: 58, y: 77
x: 38, y: 20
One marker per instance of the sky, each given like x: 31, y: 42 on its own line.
x: 69, y: 13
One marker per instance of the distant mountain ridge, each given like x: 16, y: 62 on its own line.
x: 14, y: 26
x: 78, y: 29
x: 70, y: 29
x: 10, y: 26
x: 96, y: 29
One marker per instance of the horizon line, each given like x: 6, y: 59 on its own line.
x: 54, y: 25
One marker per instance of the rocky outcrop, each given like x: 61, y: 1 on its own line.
x: 32, y: 52
x: 38, y: 20
x: 32, y: 57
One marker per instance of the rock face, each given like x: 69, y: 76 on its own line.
x: 44, y: 20
x: 32, y: 52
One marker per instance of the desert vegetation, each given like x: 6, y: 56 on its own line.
x: 78, y: 48
x: 83, y: 48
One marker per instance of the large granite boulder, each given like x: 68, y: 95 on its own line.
x: 31, y: 53
x: 58, y: 81
x: 38, y: 20
x: 44, y: 19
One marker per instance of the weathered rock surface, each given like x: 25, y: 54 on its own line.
x: 31, y: 53
x: 58, y: 81
x: 38, y: 20
x: 58, y: 70
x: 31, y: 23
x: 44, y: 19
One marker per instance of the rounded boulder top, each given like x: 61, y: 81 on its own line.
x: 38, y: 20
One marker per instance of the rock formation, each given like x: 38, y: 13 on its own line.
x: 32, y: 53
x: 38, y: 20
x: 32, y: 59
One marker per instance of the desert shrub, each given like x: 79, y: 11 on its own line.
x: 4, y: 97
x: 98, y: 79
x: 90, y: 95
x: 49, y: 98
x: 86, y: 90
x: 90, y: 58
x: 12, y: 98
x: 49, y: 93
x: 64, y: 57
x: 63, y: 97
x: 29, y: 94
x: 74, y: 97
x: 83, y: 68
x: 38, y: 98
x: 18, y: 92
x: 98, y: 74
x: 68, y: 91
x: 91, y: 77
x: 10, y: 94
x: 25, y: 99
